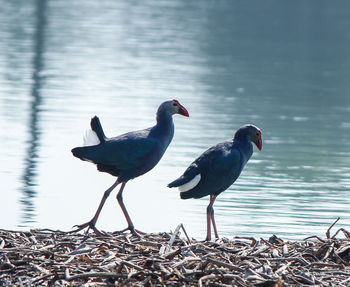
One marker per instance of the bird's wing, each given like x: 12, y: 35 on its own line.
x: 222, y: 168
x: 124, y: 153
x: 216, y: 167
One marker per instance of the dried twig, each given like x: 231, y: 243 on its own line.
x: 52, y: 258
x: 329, y: 229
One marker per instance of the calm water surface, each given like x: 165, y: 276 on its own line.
x: 284, y: 66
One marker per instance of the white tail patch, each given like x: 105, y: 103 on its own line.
x: 90, y: 138
x: 191, y: 184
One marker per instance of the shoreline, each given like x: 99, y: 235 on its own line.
x: 44, y: 257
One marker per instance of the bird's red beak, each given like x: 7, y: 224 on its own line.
x: 182, y: 110
x: 258, y: 142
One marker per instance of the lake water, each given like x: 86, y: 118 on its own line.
x: 281, y: 65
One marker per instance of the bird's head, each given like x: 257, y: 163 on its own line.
x: 173, y: 107
x: 253, y: 133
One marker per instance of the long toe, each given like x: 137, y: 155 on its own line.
x: 89, y: 225
x: 140, y: 232
x: 81, y: 226
x: 99, y: 233
x: 132, y: 230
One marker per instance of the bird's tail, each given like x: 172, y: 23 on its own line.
x: 187, y: 194
x: 178, y: 182
x: 186, y: 185
x: 83, y: 152
x: 97, y: 128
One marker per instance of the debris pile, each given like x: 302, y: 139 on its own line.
x: 54, y: 258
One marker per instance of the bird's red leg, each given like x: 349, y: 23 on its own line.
x: 208, y: 238
x: 91, y: 224
x: 212, y: 198
x: 210, y: 217
x: 126, y: 214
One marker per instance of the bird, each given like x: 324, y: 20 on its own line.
x: 127, y: 156
x: 217, y: 169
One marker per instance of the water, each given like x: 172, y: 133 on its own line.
x: 282, y: 66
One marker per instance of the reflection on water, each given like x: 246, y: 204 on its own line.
x: 31, y: 157
x: 283, y: 67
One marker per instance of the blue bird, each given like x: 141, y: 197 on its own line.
x: 217, y: 169
x: 128, y: 155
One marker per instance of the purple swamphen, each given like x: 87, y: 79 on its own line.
x: 129, y: 155
x: 217, y: 169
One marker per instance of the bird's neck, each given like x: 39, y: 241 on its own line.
x: 165, y: 124
x: 164, y: 118
x: 164, y: 129
x: 244, y: 145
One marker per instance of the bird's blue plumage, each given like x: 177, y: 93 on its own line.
x: 128, y: 155
x: 219, y: 167
x: 132, y: 154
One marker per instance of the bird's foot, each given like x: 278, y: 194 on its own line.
x: 207, y: 239
x: 132, y: 230
x: 89, y: 225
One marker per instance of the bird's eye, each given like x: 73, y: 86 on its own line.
x: 257, y: 134
x: 174, y: 104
